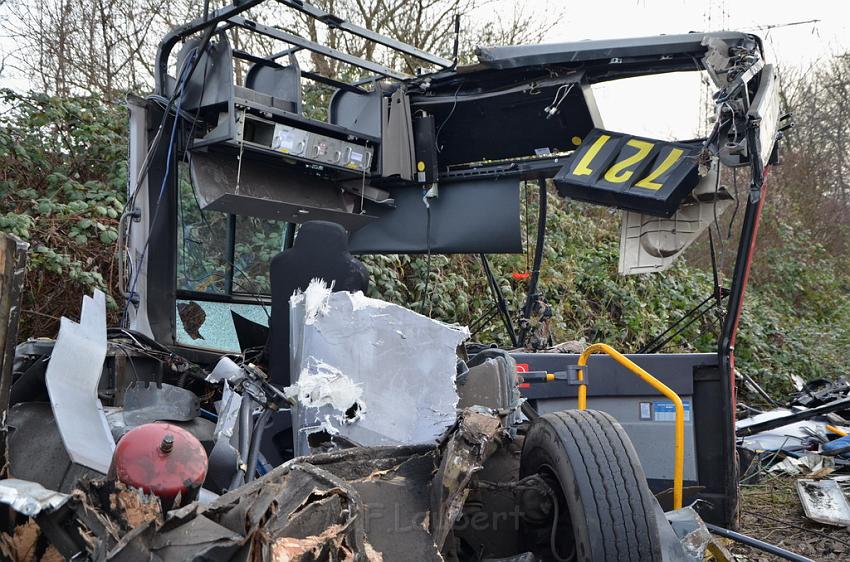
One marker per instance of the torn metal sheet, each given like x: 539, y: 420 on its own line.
x: 396, y: 503
x: 694, y: 536
x: 373, y: 504
x: 125, y: 507
x: 368, y: 371
x: 757, y: 424
x: 29, y: 498
x: 224, y: 459
x: 85, y: 524
x: 72, y: 378
x: 182, y: 537
x: 785, y: 437
x: 228, y: 413
x: 225, y: 369
x: 320, y: 384
x: 297, y: 509
x: 464, y: 454
x: 824, y: 501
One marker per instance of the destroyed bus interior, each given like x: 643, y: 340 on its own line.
x: 267, y: 409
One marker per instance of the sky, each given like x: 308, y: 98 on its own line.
x: 789, y: 44
x: 669, y: 106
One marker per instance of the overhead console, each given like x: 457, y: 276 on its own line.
x: 254, y: 152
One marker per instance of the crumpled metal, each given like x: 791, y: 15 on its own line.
x: 30, y: 498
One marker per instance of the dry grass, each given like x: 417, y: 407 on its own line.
x: 771, y: 511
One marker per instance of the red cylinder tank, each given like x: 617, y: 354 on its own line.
x: 161, y: 459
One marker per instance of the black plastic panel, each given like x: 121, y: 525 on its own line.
x: 608, y: 378
x: 468, y: 217
x: 474, y: 128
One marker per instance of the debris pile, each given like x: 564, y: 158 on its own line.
x: 795, y: 468
x: 373, y: 504
x: 390, y: 485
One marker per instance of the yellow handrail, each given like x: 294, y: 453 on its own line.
x: 679, y: 452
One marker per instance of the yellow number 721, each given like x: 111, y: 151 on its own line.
x: 619, y: 172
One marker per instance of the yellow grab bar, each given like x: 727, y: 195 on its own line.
x: 679, y: 446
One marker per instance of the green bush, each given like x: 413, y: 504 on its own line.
x: 62, y: 190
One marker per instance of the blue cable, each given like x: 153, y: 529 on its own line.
x: 207, y: 415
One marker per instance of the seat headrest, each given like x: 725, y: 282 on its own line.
x: 325, y: 234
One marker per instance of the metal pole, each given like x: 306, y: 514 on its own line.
x: 538, y: 259
x: 755, y: 543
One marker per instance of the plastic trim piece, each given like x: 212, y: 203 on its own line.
x: 72, y: 378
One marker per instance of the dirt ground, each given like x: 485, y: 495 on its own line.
x: 771, y: 511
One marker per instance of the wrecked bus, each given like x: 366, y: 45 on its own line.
x: 294, y: 418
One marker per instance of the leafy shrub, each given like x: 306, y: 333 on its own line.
x: 62, y: 190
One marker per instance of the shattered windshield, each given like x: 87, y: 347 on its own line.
x: 221, y: 256
x: 220, y: 253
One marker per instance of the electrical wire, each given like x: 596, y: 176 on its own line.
x: 560, y: 95
x: 425, y: 294
x: 146, y: 163
x: 737, y: 202
x: 178, y: 112
x: 446, y: 120
x: 717, y: 221
x: 129, y: 207
x: 255, y: 294
x: 165, y: 177
x: 554, y: 532
x: 162, y: 102
x: 190, y: 137
x: 183, y: 78
x: 500, y: 304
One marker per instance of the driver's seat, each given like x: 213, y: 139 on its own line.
x: 320, y: 251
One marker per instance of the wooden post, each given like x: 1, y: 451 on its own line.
x: 13, y: 262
